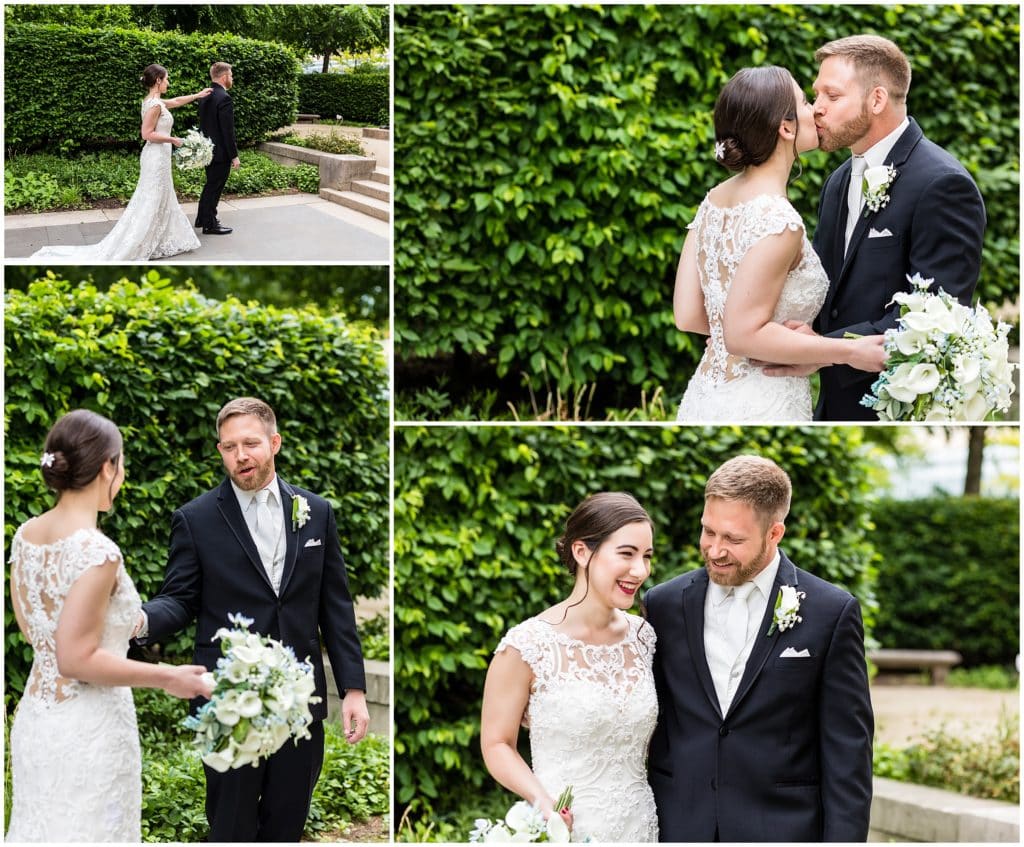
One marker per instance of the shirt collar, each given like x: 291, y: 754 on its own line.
x: 763, y: 581
x: 245, y: 498
x: 879, y: 152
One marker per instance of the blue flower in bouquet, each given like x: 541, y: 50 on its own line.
x: 947, y: 362
x: 260, y: 700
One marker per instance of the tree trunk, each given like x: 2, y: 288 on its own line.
x: 327, y: 62
x: 975, y: 454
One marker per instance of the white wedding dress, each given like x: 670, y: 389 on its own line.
x: 730, y: 388
x: 591, y: 713
x: 76, y: 766
x: 153, y: 226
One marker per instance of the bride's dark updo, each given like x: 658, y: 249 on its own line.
x: 152, y: 75
x: 748, y: 112
x: 76, y: 448
x: 597, y: 517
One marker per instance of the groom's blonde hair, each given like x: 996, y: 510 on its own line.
x: 248, y: 406
x: 756, y: 481
x: 218, y: 69
x: 878, y: 62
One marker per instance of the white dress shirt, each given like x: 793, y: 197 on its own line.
x: 726, y: 671
x: 874, y: 156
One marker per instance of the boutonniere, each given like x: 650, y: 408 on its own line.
x: 300, y: 512
x: 877, y: 181
x: 786, y: 607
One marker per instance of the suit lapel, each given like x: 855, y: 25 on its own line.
x: 693, y: 614
x: 764, y: 643
x: 291, y: 537
x: 227, y: 502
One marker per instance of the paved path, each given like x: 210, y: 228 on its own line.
x: 903, y: 713
x: 287, y: 229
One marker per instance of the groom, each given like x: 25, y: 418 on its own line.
x: 933, y: 223
x: 217, y: 122
x: 764, y: 729
x: 262, y: 547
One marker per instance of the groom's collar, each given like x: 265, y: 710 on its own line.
x: 879, y: 152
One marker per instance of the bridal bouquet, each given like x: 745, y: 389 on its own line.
x: 261, y: 698
x: 947, y: 362
x: 195, y: 152
x: 524, y: 822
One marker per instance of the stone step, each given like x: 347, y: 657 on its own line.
x: 370, y: 188
x: 382, y: 175
x: 360, y: 202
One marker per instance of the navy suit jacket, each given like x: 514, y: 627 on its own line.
x: 214, y: 569
x: 791, y: 761
x: 217, y: 122
x: 936, y: 220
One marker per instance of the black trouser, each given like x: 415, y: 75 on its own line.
x: 269, y: 802
x: 216, y: 176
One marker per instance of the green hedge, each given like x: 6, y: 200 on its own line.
x: 359, y: 97
x: 69, y: 87
x: 553, y: 155
x: 477, y: 512
x: 160, y: 362
x: 950, y: 576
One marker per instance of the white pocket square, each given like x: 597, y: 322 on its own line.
x: 874, y: 233
x: 790, y: 653
x: 313, y: 542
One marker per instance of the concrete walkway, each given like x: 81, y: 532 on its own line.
x: 288, y: 228
x: 904, y: 713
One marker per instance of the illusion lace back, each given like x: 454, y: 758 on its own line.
x: 76, y: 767
x: 153, y: 226
x: 591, y: 713
x: 727, y: 387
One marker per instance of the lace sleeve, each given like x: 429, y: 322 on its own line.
x: 646, y: 637
x: 523, y: 637
x: 148, y: 103
x: 770, y: 216
x: 95, y: 549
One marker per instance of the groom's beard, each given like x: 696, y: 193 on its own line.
x: 262, y: 475
x: 743, y: 572
x: 847, y: 134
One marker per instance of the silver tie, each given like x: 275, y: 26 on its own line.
x: 738, y: 619
x: 266, y: 535
x: 854, y: 196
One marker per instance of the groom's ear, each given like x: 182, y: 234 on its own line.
x: 776, y: 531
x: 275, y: 442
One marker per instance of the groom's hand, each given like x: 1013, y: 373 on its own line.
x: 236, y: 163
x: 354, y: 716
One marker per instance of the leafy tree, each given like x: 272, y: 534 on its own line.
x: 326, y: 30
x: 80, y: 15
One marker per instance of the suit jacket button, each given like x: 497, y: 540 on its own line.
x: 834, y: 313
x: 723, y: 731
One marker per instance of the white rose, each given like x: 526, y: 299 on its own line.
x: 876, y: 177
x: 498, y: 833
x: 908, y: 381
x: 935, y: 317
x: 248, y: 653
x: 523, y: 816
x: 789, y: 601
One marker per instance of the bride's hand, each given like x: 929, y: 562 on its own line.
x: 566, y: 815
x: 206, y: 92
x: 176, y: 142
x: 188, y: 681
x: 868, y: 354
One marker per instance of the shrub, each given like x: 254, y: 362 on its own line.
x: 41, y: 182
x: 100, y: 98
x: 374, y: 639
x: 949, y: 577
x: 477, y: 511
x: 326, y: 143
x: 357, y: 97
x: 553, y: 155
x: 160, y: 362
x: 354, y: 784
x: 988, y: 768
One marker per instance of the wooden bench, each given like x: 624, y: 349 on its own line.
x: 937, y: 662
x: 307, y: 119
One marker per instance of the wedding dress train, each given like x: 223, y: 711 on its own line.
x: 153, y: 226
x: 727, y: 387
x: 591, y: 713
x: 76, y: 766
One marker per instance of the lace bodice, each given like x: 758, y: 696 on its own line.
x: 591, y: 713
x: 42, y: 576
x: 724, y: 236
x: 165, y: 123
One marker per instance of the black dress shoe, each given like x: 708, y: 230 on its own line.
x: 216, y: 230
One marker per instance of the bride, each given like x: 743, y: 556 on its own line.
x: 153, y: 226
x: 75, y: 760
x: 578, y: 676
x: 747, y: 267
